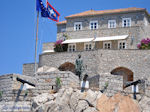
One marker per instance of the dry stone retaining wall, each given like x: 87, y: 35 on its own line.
x: 46, y: 81
x: 110, y: 84
x: 103, y: 61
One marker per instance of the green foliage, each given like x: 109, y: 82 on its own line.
x: 59, y: 47
x: 66, y: 36
x: 58, y: 81
x: 106, y: 85
x: 1, y: 93
x: 144, y: 44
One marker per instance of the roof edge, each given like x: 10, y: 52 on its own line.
x: 62, y: 22
x: 104, y: 12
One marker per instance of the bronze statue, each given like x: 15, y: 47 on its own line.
x: 79, y: 67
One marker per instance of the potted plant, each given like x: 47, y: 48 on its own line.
x: 144, y: 44
x: 58, y: 47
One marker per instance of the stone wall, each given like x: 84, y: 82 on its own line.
x: 110, y: 84
x: 133, y: 31
x: 103, y: 61
x: 13, y: 97
x: 10, y: 88
x: 46, y: 81
x: 57, y: 59
x: 48, y: 47
x: 6, y: 82
x: 28, y: 69
x: 136, y: 17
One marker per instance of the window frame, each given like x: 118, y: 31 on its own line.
x: 122, y: 41
x: 109, y: 23
x: 88, y: 43
x: 77, y: 28
x: 126, y: 21
x: 107, y: 42
x: 71, y: 45
x: 96, y: 21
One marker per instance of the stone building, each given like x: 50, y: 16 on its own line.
x: 106, y: 29
x: 101, y: 37
x: 106, y: 40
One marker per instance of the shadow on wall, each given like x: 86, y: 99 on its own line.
x: 125, y: 72
x: 67, y: 66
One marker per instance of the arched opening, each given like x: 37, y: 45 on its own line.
x: 67, y: 66
x: 125, y: 72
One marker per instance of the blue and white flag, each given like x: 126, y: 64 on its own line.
x: 48, y: 11
x: 38, y: 5
x: 53, y: 14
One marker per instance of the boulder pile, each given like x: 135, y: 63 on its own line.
x: 73, y: 100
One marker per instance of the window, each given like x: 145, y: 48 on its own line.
x: 126, y: 22
x: 72, y: 47
x: 111, y: 23
x: 93, y: 25
x: 106, y: 45
x: 88, y: 46
x: 63, y: 29
x: 77, y: 26
x: 121, y: 44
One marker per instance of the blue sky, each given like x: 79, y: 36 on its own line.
x: 18, y: 23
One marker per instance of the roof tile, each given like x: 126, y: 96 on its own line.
x: 93, y: 12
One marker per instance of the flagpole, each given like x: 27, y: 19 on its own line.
x: 36, y: 42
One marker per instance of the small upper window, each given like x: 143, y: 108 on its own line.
x: 93, y: 25
x: 106, y: 45
x: 122, y: 45
x: 126, y: 22
x: 111, y: 23
x: 77, y: 26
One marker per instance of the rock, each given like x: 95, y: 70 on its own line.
x: 64, y: 97
x: 46, y: 69
x: 145, y: 103
x: 43, y: 98
x: 91, y: 97
x: 51, y: 107
x: 40, y: 100
x: 90, y: 109
x: 72, y: 100
x: 117, y: 103
x: 82, y: 105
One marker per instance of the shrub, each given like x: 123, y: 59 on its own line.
x: 144, y: 44
x: 58, y: 83
x: 59, y: 47
x: 1, y: 93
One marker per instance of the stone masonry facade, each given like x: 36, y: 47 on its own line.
x: 139, y: 29
x: 103, y: 61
